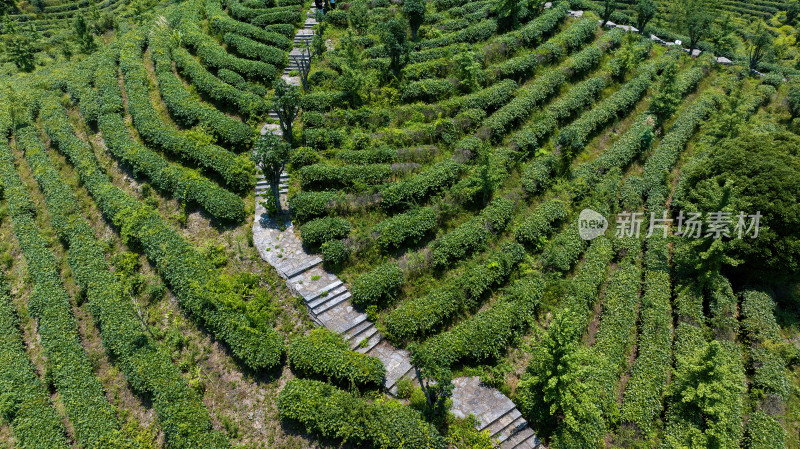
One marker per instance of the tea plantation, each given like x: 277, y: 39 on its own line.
x: 399, y: 224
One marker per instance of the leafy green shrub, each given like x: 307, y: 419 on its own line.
x: 324, y: 176
x: 251, y: 49
x: 419, y: 187
x: 318, y: 231
x: 408, y: 228
x: 24, y: 404
x: 323, y: 354
x: 485, y: 335
x: 85, y: 403
x: 382, y: 155
x: 337, y: 18
x: 306, y: 205
x: 427, y: 90
x: 334, y: 413
x: 200, y: 291
x: 334, y: 252
x: 540, y: 224
x: 422, y: 315
x: 473, y: 235
x: 764, y: 432
x: 220, y: 22
x: 238, y: 172
x: 184, y: 108
x: 147, y: 368
x: 377, y: 286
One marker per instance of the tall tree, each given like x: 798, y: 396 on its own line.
x: 395, y: 42
x: 414, y: 10
x: 271, y: 154
x: 707, y: 395
x: 696, y: 18
x: 83, y: 34
x: 759, y: 44
x: 792, y: 11
x: 21, y: 50
x: 609, y: 6
x: 286, y: 103
x: 553, y: 392
x: 645, y: 11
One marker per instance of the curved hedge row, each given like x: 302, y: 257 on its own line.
x: 420, y: 316
x: 237, y: 171
x: 184, y: 108
x: 535, y: 229
x: 213, y: 55
x: 324, y: 176
x: 418, y: 188
x: 185, y: 185
x: 408, y: 228
x: 318, y: 231
x: 478, y: 32
x: 307, y: 205
x: 93, y: 419
x: 487, y: 334
x: 575, y: 136
x: 554, y: 49
x: 33, y: 420
x: 532, y: 33
x: 472, y: 235
x: 247, y: 103
x: 251, y: 49
x: 336, y: 414
x: 148, y: 369
x: 617, y: 330
x: 487, y: 99
x: 323, y: 354
x: 194, y: 281
x: 643, y: 399
x: 220, y: 22
x: 378, y: 286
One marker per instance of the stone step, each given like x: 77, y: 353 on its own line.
x: 328, y: 288
x: 502, y: 421
x: 332, y: 302
x: 354, y: 332
x: 512, y: 428
x: 361, y: 318
x: 524, y: 439
x: 372, y: 341
x: 392, y: 387
x: 356, y: 335
x: 319, y: 299
x: 309, y: 264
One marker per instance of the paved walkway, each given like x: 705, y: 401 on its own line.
x: 328, y: 302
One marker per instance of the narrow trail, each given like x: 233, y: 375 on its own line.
x: 328, y: 301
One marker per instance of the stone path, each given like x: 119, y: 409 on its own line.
x: 328, y: 301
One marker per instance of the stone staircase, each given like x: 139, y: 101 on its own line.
x: 328, y: 302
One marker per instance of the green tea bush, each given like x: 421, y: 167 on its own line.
x: 324, y: 355
x: 26, y: 406
x: 472, y: 235
x: 418, y: 188
x: 324, y: 176
x: 408, y: 228
x: 307, y: 205
x: 238, y: 172
x: 378, y: 286
x: 336, y: 414
x: 147, y: 367
x: 541, y: 223
x: 200, y: 291
x: 421, y: 316
x: 320, y: 230
x: 251, y: 49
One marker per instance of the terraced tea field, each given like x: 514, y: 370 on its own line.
x: 481, y: 224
